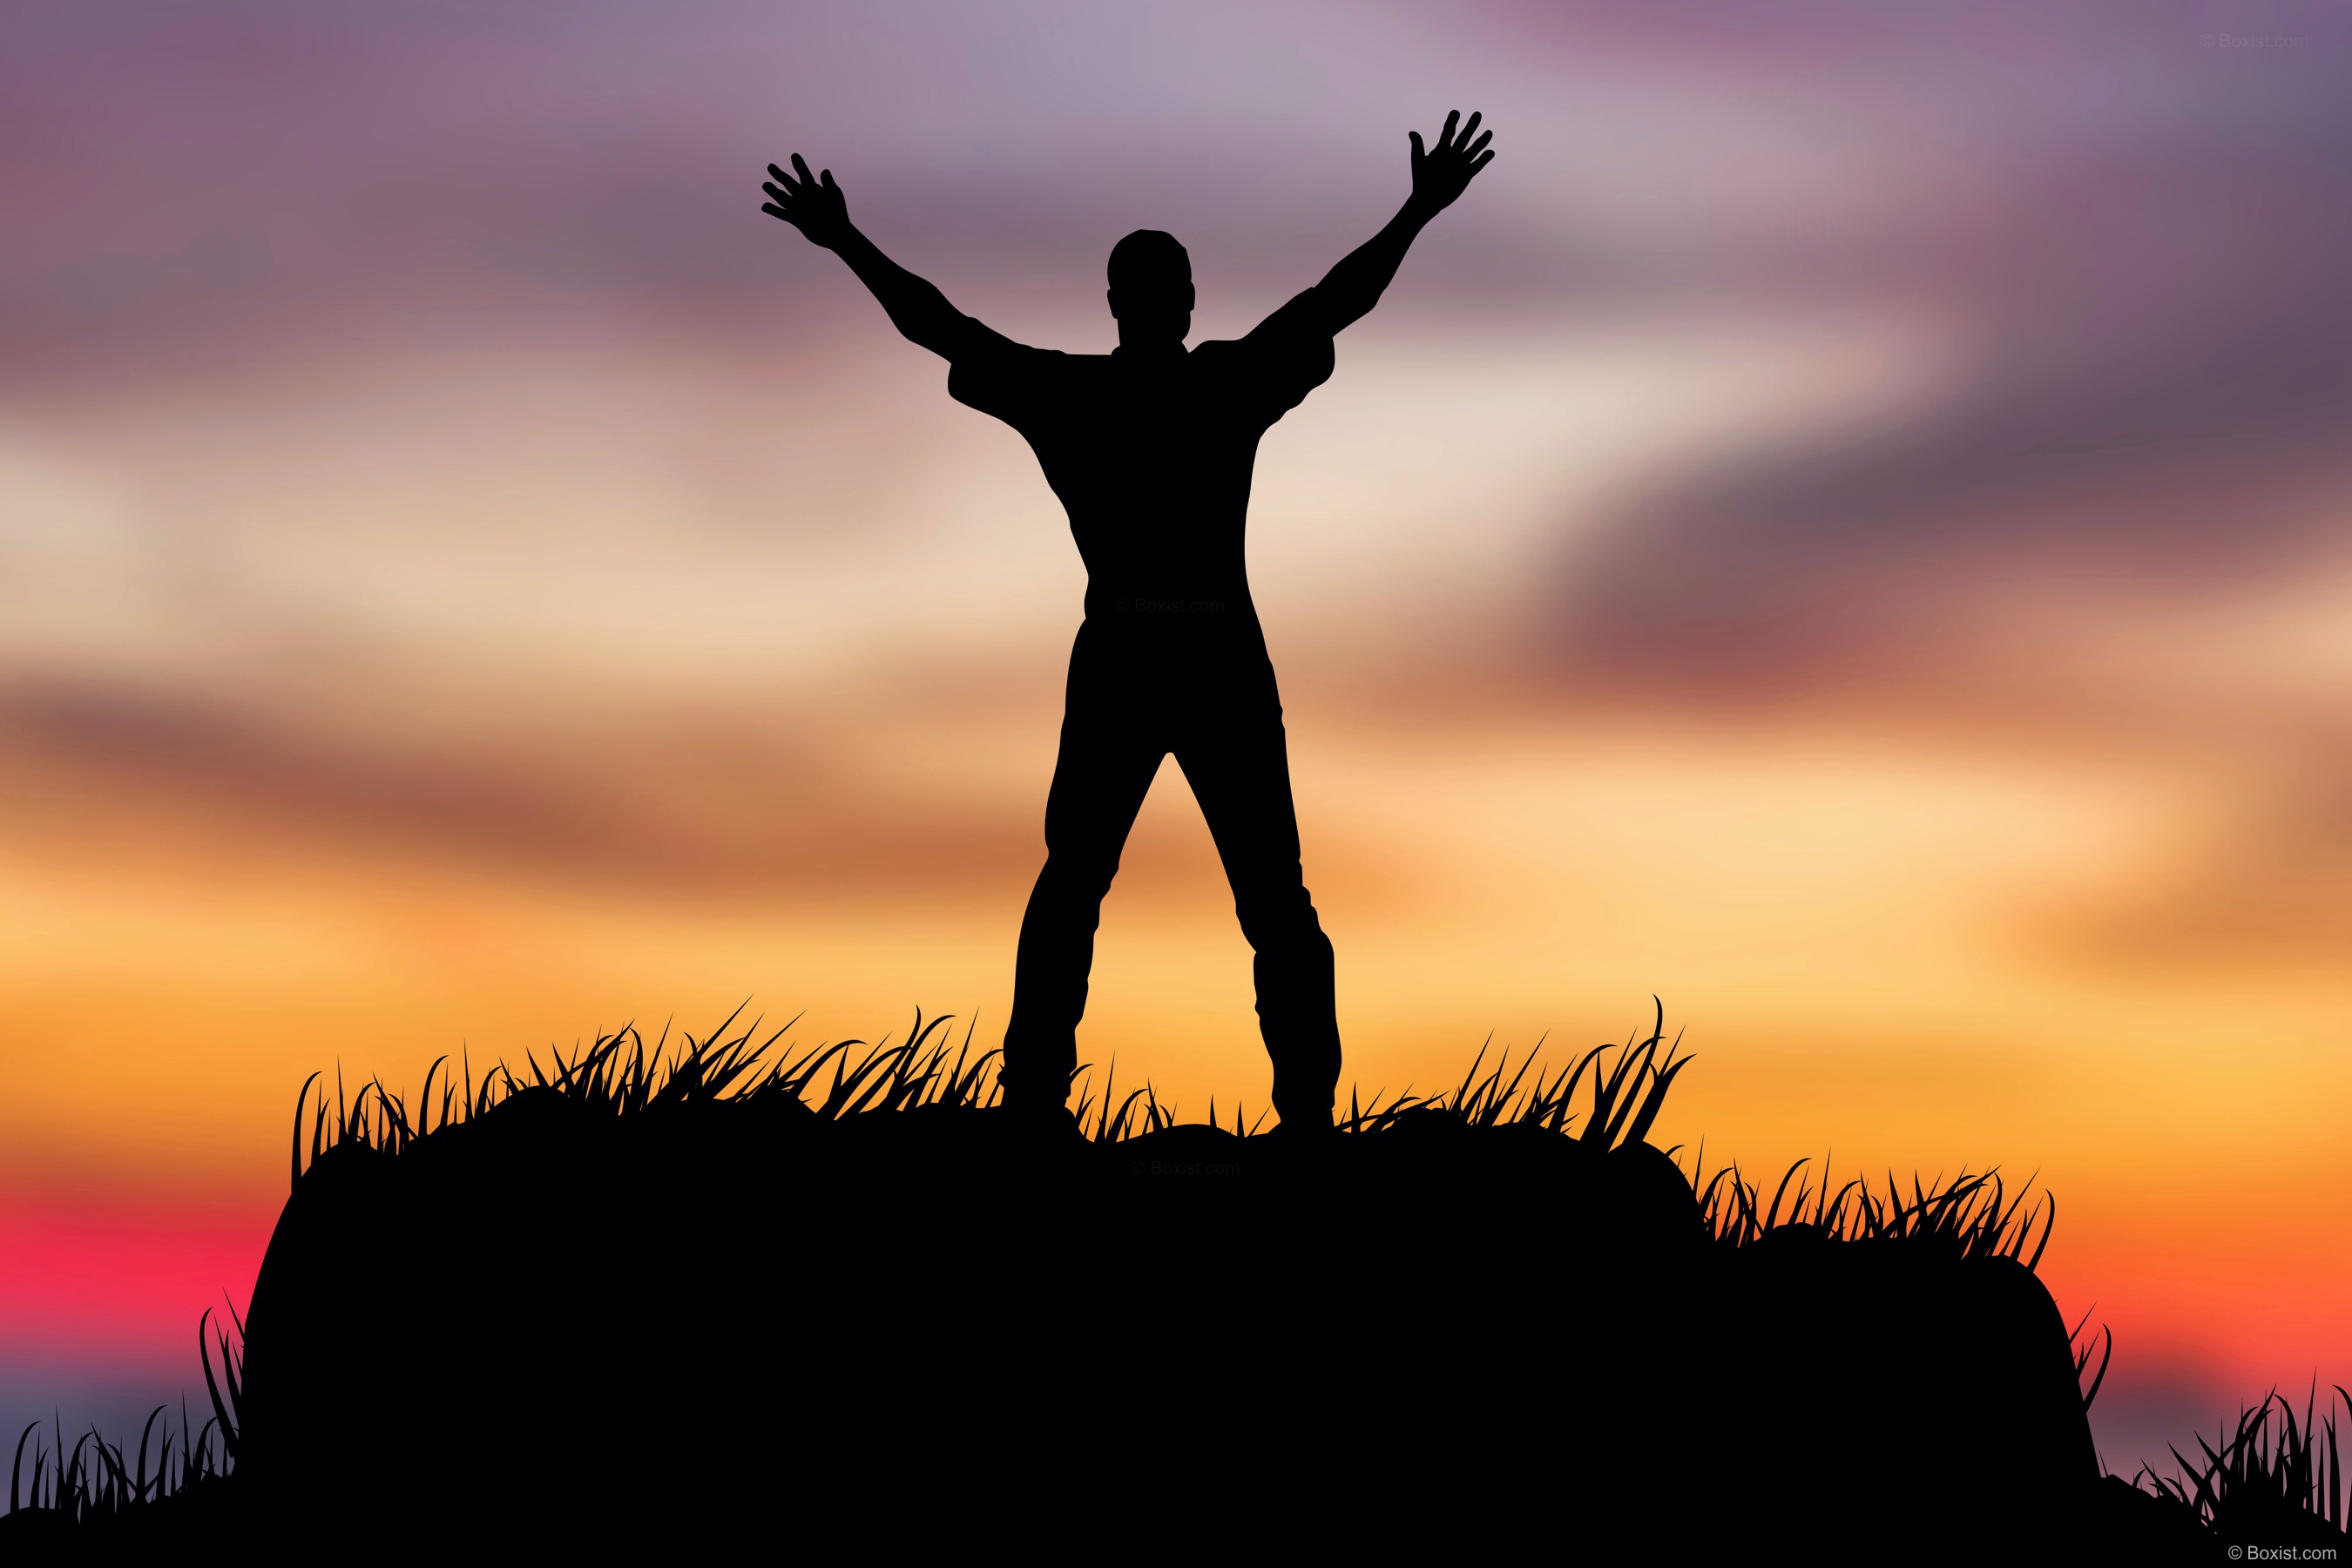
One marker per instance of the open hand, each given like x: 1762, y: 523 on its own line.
x: 1445, y: 171
x: 814, y: 204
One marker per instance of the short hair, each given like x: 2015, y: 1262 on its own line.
x: 1150, y: 258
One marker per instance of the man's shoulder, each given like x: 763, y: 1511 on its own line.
x: 1016, y: 381
x: 1222, y: 354
x: 1265, y: 353
x: 989, y: 348
x: 1019, y: 362
x: 1297, y: 329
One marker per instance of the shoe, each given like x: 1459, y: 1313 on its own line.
x: 1308, y: 1129
x: 1044, y: 1121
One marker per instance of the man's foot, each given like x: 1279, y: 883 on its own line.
x: 1306, y: 1128
x: 1041, y: 1120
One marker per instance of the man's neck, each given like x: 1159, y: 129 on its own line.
x: 1161, y: 347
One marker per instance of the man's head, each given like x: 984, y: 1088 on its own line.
x: 1152, y: 289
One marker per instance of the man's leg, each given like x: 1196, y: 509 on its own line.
x: 1238, y: 765
x: 1100, y: 778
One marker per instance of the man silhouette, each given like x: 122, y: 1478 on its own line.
x: 1150, y: 449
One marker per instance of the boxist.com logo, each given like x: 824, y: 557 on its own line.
x: 2281, y: 1554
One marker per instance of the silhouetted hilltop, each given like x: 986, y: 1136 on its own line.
x: 697, y: 1302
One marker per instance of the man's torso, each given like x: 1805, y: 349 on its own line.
x: 1151, y: 455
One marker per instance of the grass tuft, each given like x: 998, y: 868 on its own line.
x: 1626, y: 1092
x: 96, y: 1479
x: 2271, y: 1468
x: 623, y: 1074
x: 1970, y: 1216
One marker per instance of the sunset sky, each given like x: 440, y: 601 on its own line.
x: 1845, y: 528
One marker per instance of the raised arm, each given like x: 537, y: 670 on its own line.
x: 814, y: 204
x: 1440, y: 174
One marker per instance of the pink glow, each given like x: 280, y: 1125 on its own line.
x: 122, y: 1284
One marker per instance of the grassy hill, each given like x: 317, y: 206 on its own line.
x: 693, y: 1296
